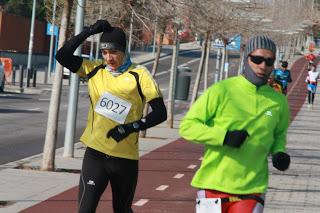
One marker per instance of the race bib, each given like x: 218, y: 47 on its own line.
x: 208, y: 205
x: 113, y: 107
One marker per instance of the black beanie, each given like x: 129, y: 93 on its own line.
x: 114, y: 39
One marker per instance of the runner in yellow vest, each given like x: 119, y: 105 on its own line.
x: 118, y: 91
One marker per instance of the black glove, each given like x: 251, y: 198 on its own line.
x: 235, y: 138
x: 281, y: 161
x: 120, y: 132
x: 99, y: 26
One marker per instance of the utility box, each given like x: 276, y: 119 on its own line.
x: 182, y: 83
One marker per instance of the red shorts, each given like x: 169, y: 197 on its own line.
x: 242, y: 205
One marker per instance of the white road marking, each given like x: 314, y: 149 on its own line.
x: 181, y: 65
x: 141, y: 202
x: 162, y: 188
x: 201, y: 158
x: 178, y: 176
x: 6, y: 95
x: 33, y: 109
x: 192, y: 166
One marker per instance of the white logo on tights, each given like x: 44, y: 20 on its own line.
x: 91, y: 182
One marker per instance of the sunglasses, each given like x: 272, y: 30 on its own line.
x: 259, y: 59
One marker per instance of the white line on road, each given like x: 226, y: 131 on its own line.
x: 6, y: 95
x: 181, y: 65
x: 33, y: 109
x: 201, y: 158
x: 141, y: 202
x: 162, y: 188
x: 178, y: 176
x: 192, y: 166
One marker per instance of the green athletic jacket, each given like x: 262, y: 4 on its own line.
x: 236, y: 104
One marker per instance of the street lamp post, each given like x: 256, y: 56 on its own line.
x: 51, y: 41
x: 74, y: 90
x: 31, y: 41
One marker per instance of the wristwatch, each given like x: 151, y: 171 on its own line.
x: 136, y: 126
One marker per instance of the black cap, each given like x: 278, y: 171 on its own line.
x: 114, y: 40
x: 284, y: 64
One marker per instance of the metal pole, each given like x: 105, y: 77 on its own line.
x: 216, y: 74
x: 74, y: 90
x: 91, y: 48
x: 51, y: 42
x: 31, y: 38
x: 130, y: 34
x: 97, y: 36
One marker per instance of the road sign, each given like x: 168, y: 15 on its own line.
x: 218, y: 43
x: 55, y: 30
x: 234, y: 43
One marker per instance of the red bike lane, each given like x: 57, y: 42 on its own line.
x: 165, y: 173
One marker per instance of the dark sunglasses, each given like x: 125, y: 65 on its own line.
x: 259, y: 59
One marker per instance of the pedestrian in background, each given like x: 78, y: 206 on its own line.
x: 118, y: 91
x: 312, y: 80
x: 240, y: 121
x: 282, y: 77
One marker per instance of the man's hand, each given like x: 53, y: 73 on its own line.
x: 281, y: 161
x: 122, y: 131
x: 100, y: 26
x: 235, y: 138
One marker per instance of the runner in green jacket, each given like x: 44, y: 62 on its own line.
x: 240, y: 121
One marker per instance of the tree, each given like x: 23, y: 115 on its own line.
x: 24, y: 8
x: 53, y: 114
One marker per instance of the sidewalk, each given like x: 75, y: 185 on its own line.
x: 171, y: 162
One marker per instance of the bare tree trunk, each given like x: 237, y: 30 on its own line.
x: 241, y: 61
x: 206, y: 66
x: 153, y: 73
x: 200, y: 70
x: 48, y: 160
x: 222, y: 62
x: 173, y: 76
x: 217, y: 69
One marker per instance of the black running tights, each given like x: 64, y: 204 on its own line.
x: 98, y: 170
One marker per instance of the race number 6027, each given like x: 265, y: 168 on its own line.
x: 112, y: 106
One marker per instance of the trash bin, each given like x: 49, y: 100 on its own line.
x: 2, y: 77
x: 182, y: 83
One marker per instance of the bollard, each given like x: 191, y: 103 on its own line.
x: 28, y: 77
x: 21, y: 77
x: 2, y: 77
x: 34, y: 72
x: 13, y: 75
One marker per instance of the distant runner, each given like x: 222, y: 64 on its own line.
x: 281, y: 77
x: 312, y: 81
